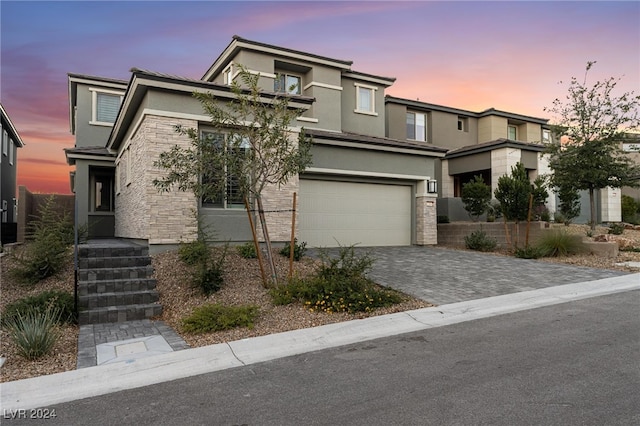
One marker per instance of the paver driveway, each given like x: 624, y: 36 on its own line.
x: 442, y: 276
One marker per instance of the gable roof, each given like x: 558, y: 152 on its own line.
x: 102, y: 82
x: 144, y: 80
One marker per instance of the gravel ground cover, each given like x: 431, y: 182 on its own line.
x: 242, y: 285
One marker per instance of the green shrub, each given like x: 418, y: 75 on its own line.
x: 60, y: 301
x: 528, y: 252
x: 247, y: 250
x: 616, y: 229
x: 630, y: 209
x: 559, y: 243
x: 298, y: 249
x: 47, y: 250
x: 339, y: 285
x: 194, y: 252
x: 476, y: 196
x: 479, y: 240
x: 34, y: 332
x: 558, y: 217
x: 208, y: 279
x: 216, y: 317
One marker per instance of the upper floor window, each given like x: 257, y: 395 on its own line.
x: 416, y: 126
x: 11, y: 151
x: 105, y: 107
x: 365, y: 99
x: 227, y: 75
x: 463, y: 124
x: 230, y: 197
x: 546, y: 136
x: 287, y: 83
x: 512, y: 132
x: 5, y: 142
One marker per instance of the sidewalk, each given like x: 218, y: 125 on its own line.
x: 93, y: 381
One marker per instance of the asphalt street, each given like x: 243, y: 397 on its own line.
x: 576, y: 363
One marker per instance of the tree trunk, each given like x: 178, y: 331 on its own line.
x: 256, y: 243
x: 267, y: 240
x: 592, y: 208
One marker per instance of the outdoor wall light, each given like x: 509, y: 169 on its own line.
x: 432, y: 186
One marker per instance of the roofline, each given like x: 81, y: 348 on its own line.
x: 238, y: 43
x: 485, y: 113
x: 386, y: 81
x: 491, y: 145
x: 19, y: 142
x: 142, y: 80
x: 372, y: 142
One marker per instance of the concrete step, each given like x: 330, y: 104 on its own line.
x: 119, y: 313
x: 96, y: 251
x: 114, y: 286
x: 113, y: 262
x: 108, y: 274
x: 123, y: 298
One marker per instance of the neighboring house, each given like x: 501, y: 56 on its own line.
x: 632, y: 147
x: 11, y: 141
x: 94, y: 103
x: 362, y: 188
x: 486, y: 143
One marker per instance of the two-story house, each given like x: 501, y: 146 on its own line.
x: 11, y: 141
x: 362, y: 187
x: 486, y: 143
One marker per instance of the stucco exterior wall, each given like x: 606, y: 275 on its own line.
x: 160, y: 218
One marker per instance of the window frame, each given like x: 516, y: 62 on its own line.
x: 5, y: 141
x: 224, y: 203
x: 227, y: 75
x: 463, y: 124
x: 372, y: 106
x: 515, y: 132
x: 285, y: 75
x: 11, y: 151
x: 415, y: 126
x: 546, y: 139
x: 94, y: 105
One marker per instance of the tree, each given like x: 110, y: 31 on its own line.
x: 591, y: 124
x: 252, y: 148
x: 569, y: 203
x: 476, y: 195
x: 513, y: 193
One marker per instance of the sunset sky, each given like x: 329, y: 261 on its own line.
x: 469, y: 55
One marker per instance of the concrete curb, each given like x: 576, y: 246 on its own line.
x: 94, y: 381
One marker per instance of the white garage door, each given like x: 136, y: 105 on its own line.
x: 346, y: 213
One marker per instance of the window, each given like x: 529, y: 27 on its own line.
x: 365, y: 99
x: 5, y: 142
x: 5, y: 211
x: 463, y: 124
x: 11, y: 150
x: 416, y: 126
x: 512, y: 132
x: 105, y: 107
x: 103, y: 192
x: 231, y: 196
x: 287, y: 83
x: 546, y: 136
x: 227, y: 75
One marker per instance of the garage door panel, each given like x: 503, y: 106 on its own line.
x: 348, y: 213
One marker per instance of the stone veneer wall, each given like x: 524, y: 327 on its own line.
x: 426, y: 221
x: 452, y: 234
x: 141, y: 211
x: 277, y: 203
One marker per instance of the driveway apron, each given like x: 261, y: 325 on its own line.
x: 441, y: 276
